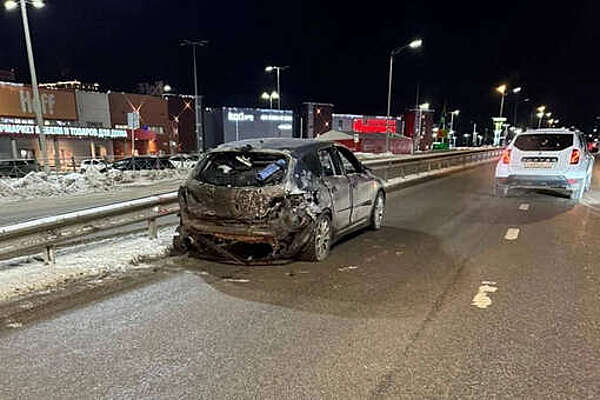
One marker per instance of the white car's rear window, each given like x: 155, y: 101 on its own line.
x: 544, y: 142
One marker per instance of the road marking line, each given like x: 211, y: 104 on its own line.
x: 524, y: 207
x: 481, y: 299
x: 512, y: 234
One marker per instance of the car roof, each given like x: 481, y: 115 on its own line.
x: 296, y: 146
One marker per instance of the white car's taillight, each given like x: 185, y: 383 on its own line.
x: 575, y: 156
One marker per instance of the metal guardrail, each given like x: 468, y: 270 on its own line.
x: 47, y: 233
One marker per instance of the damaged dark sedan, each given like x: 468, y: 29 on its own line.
x: 267, y: 199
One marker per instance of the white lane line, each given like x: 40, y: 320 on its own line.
x: 512, y: 234
x: 481, y: 299
x: 524, y: 207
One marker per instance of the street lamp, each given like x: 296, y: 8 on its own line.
x: 272, y: 68
x: 540, y: 115
x: 37, y: 107
x: 167, y: 88
x: 270, y: 97
x: 414, y: 44
x: 197, y: 100
x: 502, y: 90
x: 452, y: 114
x: 516, y: 91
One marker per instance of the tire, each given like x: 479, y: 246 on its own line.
x: 577, y: 194
x: 588, y: 183
x: 318, y: 246
x: 500, y: 190
x: 378, y: 212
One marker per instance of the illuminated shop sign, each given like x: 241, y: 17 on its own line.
x: 63, y: 131
x: 239, y: 116
x: 276, y: 117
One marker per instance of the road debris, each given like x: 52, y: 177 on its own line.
x: 348, y: 268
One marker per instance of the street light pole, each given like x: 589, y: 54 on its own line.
x: 37, y: 105
x: 197, y: 99
x: 415, y: 44
x: 278, y: 70
x: 389, y: 104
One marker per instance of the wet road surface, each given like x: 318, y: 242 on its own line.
x: 461, y: 295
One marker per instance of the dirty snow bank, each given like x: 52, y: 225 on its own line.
x: 40, y: 184
x: 27, y: 275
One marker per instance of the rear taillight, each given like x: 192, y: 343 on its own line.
x: 506, y: 156
x: 575, y: 156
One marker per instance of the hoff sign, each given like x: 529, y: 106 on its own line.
x: 17, y: 101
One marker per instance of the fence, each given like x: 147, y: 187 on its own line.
x: 47, y: 233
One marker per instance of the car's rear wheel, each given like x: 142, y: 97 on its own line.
x: 318, y: 246
x: 378, y: 212
x: 577, y: 193
x: 588, y: 183
x: 500, y: 190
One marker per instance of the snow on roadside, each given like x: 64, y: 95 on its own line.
x: 40, y: 184
x: 26, y: 275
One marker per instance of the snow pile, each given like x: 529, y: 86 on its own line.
x: 26, y: 275
x: 41, y: 184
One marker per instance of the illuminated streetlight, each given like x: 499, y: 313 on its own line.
x: 270, y: 97
x: 424, y: 106
x: 200, y: 135
x: 415, y: 44
x: 541, y: 109
x: 517, y: 89
x: 167, y: 88
x: 502, y: 90
x: 451, y: 133
x: 37, y: 105
x: 272, y: 68
x: 10, y: 5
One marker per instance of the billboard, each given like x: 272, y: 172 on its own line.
x: 254, y: 123
x: 17, y: 101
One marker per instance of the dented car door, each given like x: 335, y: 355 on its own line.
x: 339, y: 186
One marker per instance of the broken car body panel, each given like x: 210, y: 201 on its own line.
x: 265, y: 192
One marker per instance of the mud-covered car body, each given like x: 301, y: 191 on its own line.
x: 259, y: 199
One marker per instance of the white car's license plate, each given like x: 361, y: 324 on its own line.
x: 538, y: 164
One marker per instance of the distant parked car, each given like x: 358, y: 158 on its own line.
x: 184, y: 161
x: 17, y: 168
x: 264, y: 199
x: 94, y: 163
x: 142, y: 163
x: 552, y: 159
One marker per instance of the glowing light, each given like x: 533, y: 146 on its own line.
x: 415, y: 44
x: 269, y: 69
x: 424, y: 106
x: 167, y: 88
x: 275, y: 95
x: 501, y: 89
x: 265, y: 96
x: 517, y: 89
x: 541, y: 109
x: 10, y: 4
x: 38, y: 4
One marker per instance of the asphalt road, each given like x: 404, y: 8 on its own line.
x: 389, y: 315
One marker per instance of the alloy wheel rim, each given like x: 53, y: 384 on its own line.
x: 379, y: 211
x: 323, y: 237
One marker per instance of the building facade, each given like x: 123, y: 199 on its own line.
x: 228, y: 124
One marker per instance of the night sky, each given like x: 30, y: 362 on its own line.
x: 338, y: 51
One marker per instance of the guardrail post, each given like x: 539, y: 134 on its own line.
x: 49, y: 255
x: 152, y: 225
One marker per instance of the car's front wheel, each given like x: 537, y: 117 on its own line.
x: 378, y: 212
x: 318, y: 246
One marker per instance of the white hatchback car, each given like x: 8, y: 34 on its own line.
x: 552, y: 159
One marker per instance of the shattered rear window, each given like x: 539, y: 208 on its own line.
x: 237, y: 169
